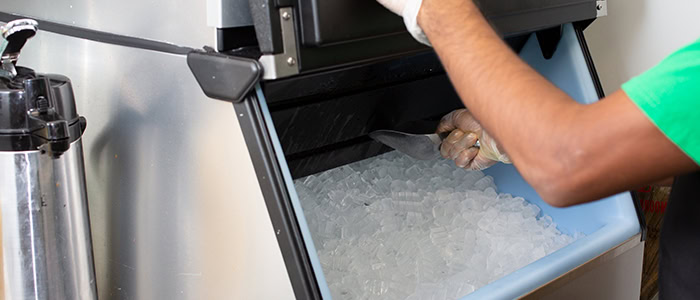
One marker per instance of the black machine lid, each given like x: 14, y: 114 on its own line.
x: 334, y: 33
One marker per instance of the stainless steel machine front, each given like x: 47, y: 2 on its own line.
x: 176, y: 212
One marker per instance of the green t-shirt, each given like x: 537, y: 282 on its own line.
x: 669, y: 94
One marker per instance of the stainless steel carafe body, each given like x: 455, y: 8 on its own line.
x: 46, y: 244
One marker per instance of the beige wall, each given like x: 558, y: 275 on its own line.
x: 637, y: 34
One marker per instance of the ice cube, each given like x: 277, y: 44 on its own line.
x: 413, y: 172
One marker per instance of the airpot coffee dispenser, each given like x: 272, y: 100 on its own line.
x: 46, y: 244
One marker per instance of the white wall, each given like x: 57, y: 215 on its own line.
x: 637, y: 34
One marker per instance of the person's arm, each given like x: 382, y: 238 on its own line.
x: 569, y: 152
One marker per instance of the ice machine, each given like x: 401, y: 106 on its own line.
x: 203, y: 114
x: 346, y: 74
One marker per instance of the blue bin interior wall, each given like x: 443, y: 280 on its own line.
x: 606, y: 223
x: 567, y: 70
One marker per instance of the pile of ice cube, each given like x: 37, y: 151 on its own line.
x: 392, y: 227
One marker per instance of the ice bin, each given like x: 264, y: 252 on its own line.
x: 298, y: 125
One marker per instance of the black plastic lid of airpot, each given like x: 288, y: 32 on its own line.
x: 37, y: 112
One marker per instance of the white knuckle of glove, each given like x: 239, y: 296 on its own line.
x: 408, y: 9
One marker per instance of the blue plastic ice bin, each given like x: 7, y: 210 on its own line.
x: 607, y: 223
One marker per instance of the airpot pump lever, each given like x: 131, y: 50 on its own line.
x: 15, y: 34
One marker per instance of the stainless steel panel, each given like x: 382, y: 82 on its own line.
x: 46, y: 235
x: 175, y: 207
x: 286, y: 63
x: 615, y: 274
x: 228, y: 13
x: 601, y: 8
x: 180, y: 22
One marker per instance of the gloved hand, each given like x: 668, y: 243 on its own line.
x: 408, y: 9
x: 459, y: 144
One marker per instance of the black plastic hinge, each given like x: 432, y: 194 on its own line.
x: 224, y: 77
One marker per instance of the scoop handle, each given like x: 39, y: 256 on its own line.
x: 443, y: 135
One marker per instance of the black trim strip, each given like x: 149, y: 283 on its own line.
x: 101, y: 36
x: 578, y: 28
x: 279, y: 206
x: 640, y: 214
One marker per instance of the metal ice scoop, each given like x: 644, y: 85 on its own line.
x: 422, y: 146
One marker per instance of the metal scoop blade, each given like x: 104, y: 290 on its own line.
x: 418, y: 146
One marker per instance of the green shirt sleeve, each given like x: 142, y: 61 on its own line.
x: 669, y: 94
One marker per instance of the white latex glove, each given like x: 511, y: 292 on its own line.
x: 408, y: 9
x: 459, y: 144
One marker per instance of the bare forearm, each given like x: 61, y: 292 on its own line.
x: 512, y: 101
x: 570, y: 153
